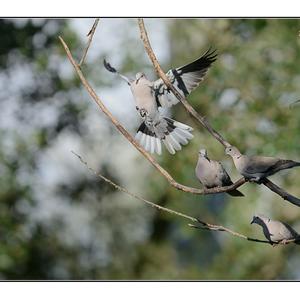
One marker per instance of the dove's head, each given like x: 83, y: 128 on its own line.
x: 258, y: 219
x: 139, y: 76
x: 255, y: 219
x: 232, y: 151
x: 203, y: 152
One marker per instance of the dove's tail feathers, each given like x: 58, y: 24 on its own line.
x: 148, y: 139
x: 284, y: 164
x: 111, y: 69
x: 173, y: 136
x: 235, y: 193
x: 177, y: 134
x: 289, y: 164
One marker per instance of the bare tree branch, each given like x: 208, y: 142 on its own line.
x: 221, y: 228
x: 125, y: 133
x: 286, y: 196
x: 90, y: 35
x: 200, y: 224
x: 202, y: 120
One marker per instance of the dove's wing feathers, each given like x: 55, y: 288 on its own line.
x: 287, y: 230
x: 185, y: 79
x: 226, y: 181
x: 267, y: 165
x: 257, y: 164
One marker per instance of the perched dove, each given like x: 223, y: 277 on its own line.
x: 212, y: 174
x: 257, y: 167
x: 276, y: 231
x: 149, y: 96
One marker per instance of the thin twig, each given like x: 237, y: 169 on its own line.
x: 90, y: 36
x: 201, y: 224
x: 132, y: 194
x: 125, y: 133
x: 202, y: 120
x: 221, y: 228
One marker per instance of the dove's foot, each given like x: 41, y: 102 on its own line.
x: 256, y: 180
x: 284, y: 241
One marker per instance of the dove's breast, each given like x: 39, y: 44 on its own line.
x: 143, y: 96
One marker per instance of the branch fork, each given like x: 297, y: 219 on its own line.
x: 201, y: 119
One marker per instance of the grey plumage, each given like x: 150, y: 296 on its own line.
x: 258, y: 167
x: 149, y: 96
x: 276, y: 231
x: 212, y: 174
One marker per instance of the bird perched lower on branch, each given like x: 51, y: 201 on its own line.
x: 212, y: 174
x: 256, y: 168
x: 149, y: 96
x: 276, y: 231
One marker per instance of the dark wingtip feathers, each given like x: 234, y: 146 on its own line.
x: 108, y: 66
x: 211, y: 54
x: 202, y: 63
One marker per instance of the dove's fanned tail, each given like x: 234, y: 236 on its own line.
x: 148, y: 139
x: 172, y: 133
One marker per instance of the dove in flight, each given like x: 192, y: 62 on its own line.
x: 150, y: 96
